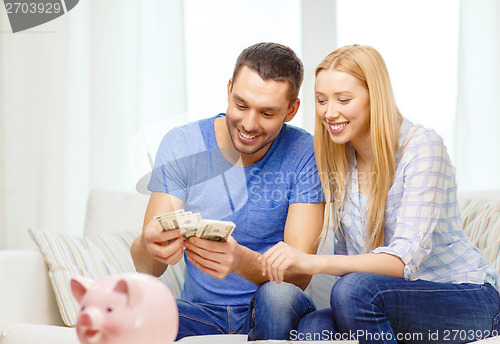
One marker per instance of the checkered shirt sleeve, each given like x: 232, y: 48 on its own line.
x: 426, y: 174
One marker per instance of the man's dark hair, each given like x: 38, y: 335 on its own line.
x: 273, y: 61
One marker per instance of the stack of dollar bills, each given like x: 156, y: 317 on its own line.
x: 214, y: 230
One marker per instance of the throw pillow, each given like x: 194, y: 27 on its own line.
x: 481, y: 220
x: 95, y: 257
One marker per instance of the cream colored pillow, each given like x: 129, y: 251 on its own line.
x: 481, y: 220
x: 95, y: 257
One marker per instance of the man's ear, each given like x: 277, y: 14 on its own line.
x: 229, y: 89
x: 292, y: 110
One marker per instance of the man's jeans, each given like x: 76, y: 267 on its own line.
x: 379, y: 309
x: 274, y: 311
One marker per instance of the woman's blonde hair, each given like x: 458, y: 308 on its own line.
x: 333, y: 160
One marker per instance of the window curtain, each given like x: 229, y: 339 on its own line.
x: 477, y: 141
x: 73, y: 92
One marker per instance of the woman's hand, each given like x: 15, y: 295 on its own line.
x: 281, y: 258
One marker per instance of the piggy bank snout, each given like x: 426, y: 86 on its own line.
x: 90, y: 318
x: 125, y: 309
x: 88, y: 327
x: 84, y: 320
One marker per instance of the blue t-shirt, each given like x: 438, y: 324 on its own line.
x: 190, y: 166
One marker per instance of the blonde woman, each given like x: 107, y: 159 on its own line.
x: 407, y: 273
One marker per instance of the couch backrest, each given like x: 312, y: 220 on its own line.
x: 114, y: 211
x: 490, y: 195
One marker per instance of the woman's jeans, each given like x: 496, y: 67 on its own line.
x: 379, y: 309
x: 273, y: 313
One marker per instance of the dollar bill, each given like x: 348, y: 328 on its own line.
x: 169, y: 221
x: 190, y: 223
x: 214, y: 230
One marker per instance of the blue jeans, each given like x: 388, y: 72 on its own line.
x: 274, y: 311
x: 379, y: 309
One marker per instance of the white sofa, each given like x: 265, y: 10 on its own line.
x: 28, y: 310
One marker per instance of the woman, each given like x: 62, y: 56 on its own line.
x: 408, y: 274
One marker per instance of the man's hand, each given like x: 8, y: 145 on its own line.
x: 164, y: 246
x: 218, y: 259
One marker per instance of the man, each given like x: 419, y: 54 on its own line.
x: 249, y: 167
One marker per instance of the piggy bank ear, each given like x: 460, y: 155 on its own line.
x: 79, y: 287
x: 131, y: 290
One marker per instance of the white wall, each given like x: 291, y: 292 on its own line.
x: 419, y: 43
x: 217, y: 31
x: 213, y: 42
x: 74, y: 92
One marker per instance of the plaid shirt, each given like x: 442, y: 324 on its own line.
x: 422, y: 220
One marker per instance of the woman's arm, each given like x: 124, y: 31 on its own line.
x: 426, y: 175
x: 375, y: 263
x: 283, y: 257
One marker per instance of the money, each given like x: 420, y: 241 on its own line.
x: 169, y: 220
x: 214, y: 230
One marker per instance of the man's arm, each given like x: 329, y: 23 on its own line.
x: 302, y: 231
x: 151, y: 251
x: 218, y: 259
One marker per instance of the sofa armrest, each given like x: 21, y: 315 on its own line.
x: 25, y: 291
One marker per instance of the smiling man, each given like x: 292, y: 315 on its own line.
x: 249, y: 167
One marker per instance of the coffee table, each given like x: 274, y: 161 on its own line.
x: 242, y: 338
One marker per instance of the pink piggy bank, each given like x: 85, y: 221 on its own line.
x: 129, y: 308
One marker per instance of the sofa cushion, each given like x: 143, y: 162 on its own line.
x: 20, y: 270
x: 39, y: 334
x: 95, y: 257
